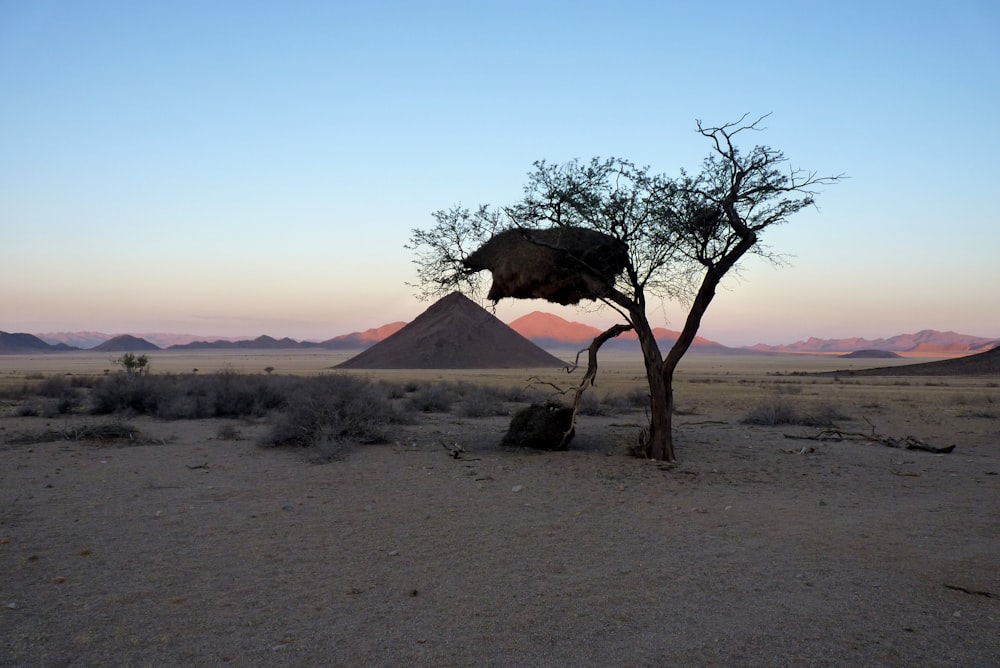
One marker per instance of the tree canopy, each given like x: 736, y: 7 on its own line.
x: 681, y: 235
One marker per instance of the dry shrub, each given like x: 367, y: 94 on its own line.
x: 229, y: 433
x: 778, y: 410
x: 227, y: 394
x: 636, y: 443
x: 328, y: 411
x: 432, y: 398
x: 54, y: 396
x: 120, y: 392
x: 479, y: 401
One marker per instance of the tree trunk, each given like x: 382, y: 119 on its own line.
x: 661, y: 402
x: 660, y: 441
x: 661, y: 387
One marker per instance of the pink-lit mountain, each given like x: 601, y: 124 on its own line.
x: 551, y: 331
x: 364, y: 339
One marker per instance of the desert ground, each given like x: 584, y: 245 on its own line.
x: 757, y: 549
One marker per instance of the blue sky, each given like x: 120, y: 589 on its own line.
x: 239, y: 168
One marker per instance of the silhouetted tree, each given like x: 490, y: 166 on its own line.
x: 683, y: 235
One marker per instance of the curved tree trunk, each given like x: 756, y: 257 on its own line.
x: 588, y: 378
x: 660, y: 442
x: 661, y: 439
x: 659, y: 369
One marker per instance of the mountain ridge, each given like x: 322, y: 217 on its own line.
x: 923, y: 341
x: 544, y: 329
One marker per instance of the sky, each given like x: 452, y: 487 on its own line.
x: 245, y: 168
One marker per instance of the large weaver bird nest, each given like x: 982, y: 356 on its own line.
x: 562, y: 265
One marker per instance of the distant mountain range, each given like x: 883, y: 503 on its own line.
x: 28, y: 343
x: 544, y: 329
x: 90, y: 340
x: 364, y: 339
x: 924, y: 341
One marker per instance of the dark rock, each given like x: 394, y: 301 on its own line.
x: 541, y: 426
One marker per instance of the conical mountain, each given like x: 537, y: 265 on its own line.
x: 454, y: 333
x: 125, y: 343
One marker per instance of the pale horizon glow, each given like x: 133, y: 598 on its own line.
x: 225, y: 169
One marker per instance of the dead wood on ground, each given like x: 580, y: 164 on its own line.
x: 907, y: 442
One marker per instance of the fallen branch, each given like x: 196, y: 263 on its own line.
x: 906, y: 443
x: 454, y: 451
x: 799, y: 451
x: 974, y: 592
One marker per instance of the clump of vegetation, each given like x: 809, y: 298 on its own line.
x: 330, y: 410
x: 229, y: 432
x: 779, y: 410
x: 227, y: 394
x: 53, y: 396
x: 327, y: 412
x: 590, y: 404
x: 433, y: 398
x: 635, y: 399
x: 480, y: 401
x: 130, y: 388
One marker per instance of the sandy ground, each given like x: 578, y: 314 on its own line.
x: 757, y: 550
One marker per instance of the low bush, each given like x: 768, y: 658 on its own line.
x: 778, y: 410
x: 479, y: 401
x: 228, y: 394
x: 432, y: 398
x: 53, y: 396
x: 635, y: 399
x: 329, y: 410
x: 119, y: 392
x: 590, y: 404
x: 229, y: 433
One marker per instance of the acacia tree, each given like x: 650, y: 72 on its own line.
x: 683, y: 236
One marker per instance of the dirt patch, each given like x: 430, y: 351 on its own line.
x: 757, y: 550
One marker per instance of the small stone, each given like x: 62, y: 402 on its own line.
x: 517, y: 488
